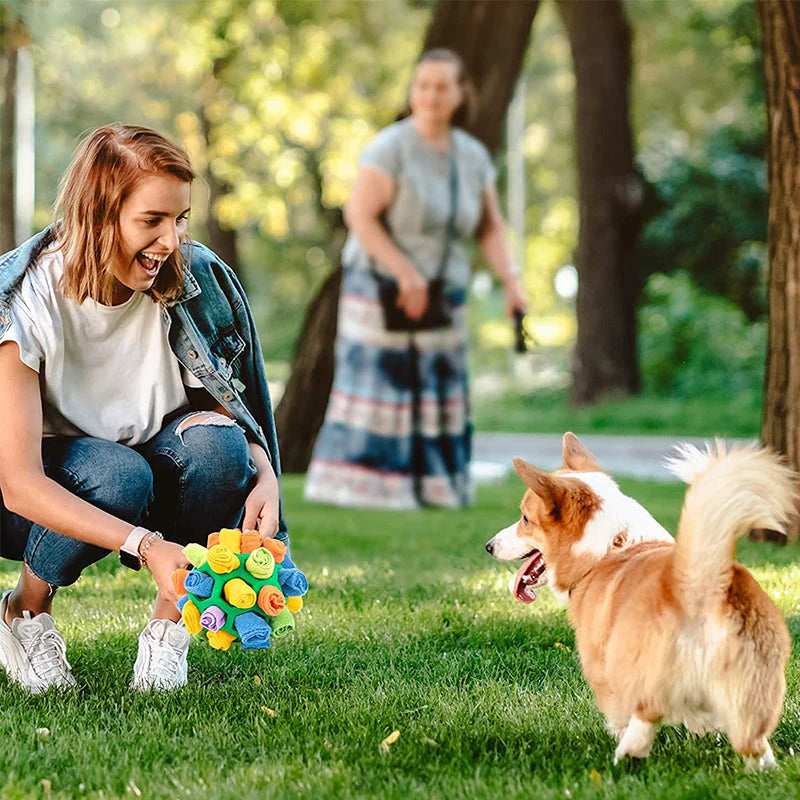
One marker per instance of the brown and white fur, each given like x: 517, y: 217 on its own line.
x: 666, y: 632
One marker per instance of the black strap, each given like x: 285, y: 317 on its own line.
x: 451, y: 222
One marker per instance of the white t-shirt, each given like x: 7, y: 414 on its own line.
x: 104, y: 371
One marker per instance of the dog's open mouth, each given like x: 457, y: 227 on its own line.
x: 532, y: 574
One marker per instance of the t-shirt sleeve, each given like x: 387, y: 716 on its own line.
x: 383, y: 152
x: 22, y: 330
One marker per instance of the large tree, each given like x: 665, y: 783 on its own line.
x: 492, y: 37
x: 612, y: 194
x: 780, y: 26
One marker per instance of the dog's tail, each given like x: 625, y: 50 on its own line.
x: 729, y: 493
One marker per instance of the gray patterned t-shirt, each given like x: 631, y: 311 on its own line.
x: 420, y: 212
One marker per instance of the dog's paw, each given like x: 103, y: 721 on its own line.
x: 759, y: 763
x: 637, y: 740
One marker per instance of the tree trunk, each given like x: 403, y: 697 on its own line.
x: 492, y: 37
x: 221, y: 240
x: 9, y: 45
x: 611, y: 201
x: 780, y: 35
x: 299, y: 414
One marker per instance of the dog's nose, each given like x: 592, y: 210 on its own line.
x: 490, y: 546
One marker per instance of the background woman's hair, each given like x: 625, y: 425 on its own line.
x: 106, y: 168
x: 465, y: 114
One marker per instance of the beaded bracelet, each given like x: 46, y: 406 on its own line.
x: 145, y: 545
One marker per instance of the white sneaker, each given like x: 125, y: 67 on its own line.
x: 33, y: 652
x: 161, y: 661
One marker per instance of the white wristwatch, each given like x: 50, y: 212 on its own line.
x: 129, y: 552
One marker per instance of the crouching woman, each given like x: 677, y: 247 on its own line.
x: 134, y: 410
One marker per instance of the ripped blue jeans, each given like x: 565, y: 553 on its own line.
x: 187, y: 481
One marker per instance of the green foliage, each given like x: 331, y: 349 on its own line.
x: 693, y: 344
x: 273, y: 99
x: 409, y: 626
x: 276, y: 98
x: 714, y: 219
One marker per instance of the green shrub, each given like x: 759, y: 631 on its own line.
x: 692, y: 343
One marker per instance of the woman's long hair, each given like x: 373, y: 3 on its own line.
x: 465, y: 114
x: 106, y: 168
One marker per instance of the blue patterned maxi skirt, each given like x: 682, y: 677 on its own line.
x: 397, y: 432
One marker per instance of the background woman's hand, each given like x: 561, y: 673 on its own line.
x: 514, y: 296
x: 261, y: 507
x: 163, y: 558
x: 413, y: 296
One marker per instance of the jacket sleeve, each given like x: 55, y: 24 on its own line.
x: 256, y: 390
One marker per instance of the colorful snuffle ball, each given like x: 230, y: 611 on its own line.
x: 240, y: 588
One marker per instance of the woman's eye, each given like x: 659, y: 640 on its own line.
x: 151, y: 223
x: 183, y: 218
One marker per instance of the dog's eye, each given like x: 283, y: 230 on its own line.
x: 524, y: 519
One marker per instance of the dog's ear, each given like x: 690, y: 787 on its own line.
x: 576, y: 456
x: 548, y: 488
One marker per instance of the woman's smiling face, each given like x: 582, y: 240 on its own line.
x: 152, y: 222
x: 435, y: 92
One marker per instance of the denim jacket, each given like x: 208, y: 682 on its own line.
x: 211, y: 331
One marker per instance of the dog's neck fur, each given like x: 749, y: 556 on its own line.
x: 601, y: 520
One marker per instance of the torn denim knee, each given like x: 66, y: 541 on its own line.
x: 213, y: 418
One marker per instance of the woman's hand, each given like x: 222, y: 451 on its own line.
x: 261, y: 506
x: 163, y: 558
x: 413, y: 296
x: 514, y: 296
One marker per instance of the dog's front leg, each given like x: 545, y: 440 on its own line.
x: 637, y: 740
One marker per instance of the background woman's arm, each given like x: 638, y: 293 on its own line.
x: 373, y: 192
x: 493, y: 242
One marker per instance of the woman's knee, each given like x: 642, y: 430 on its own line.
x: 215, y: 452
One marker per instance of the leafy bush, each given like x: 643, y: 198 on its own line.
x: 713, y: 218
x: 692, y: 343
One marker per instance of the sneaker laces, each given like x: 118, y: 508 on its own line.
x: 166, y: 661
x: 47, y: 653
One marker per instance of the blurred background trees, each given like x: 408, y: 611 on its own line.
x: 274, y: 99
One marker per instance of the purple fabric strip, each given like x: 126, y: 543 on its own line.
x: 213, y: 618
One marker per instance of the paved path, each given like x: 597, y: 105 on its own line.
x: 630, y: 456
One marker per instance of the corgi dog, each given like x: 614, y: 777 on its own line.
x: 667, y: 631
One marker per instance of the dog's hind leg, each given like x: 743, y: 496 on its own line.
x: 758, y: 762
x: 753, y: 701
x: 637, y: 739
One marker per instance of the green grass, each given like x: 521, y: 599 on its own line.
x: 408, y: 626
x: 548, y: 411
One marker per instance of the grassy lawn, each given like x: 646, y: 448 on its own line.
x: 547, y: 411
x: 409, y: 626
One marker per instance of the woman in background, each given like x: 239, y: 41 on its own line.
x: 397, y: 431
